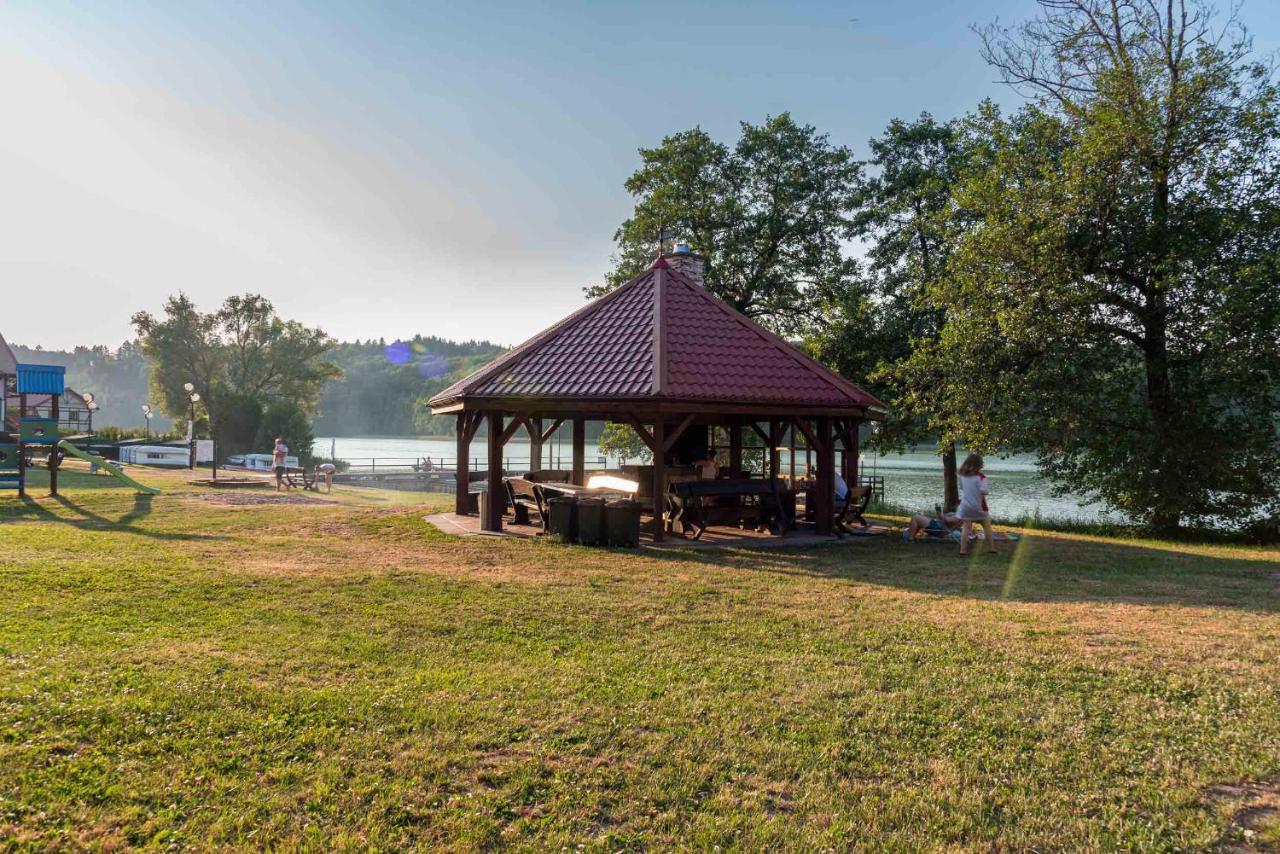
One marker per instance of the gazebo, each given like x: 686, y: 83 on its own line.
x: 662, y: 354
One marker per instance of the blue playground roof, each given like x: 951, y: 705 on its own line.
x: 41, y: 379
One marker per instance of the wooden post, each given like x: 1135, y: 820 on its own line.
x: 792, y: 456
x: 824, y: 483
x: 659, y: 479
x: 852, y: 453
x: 497, y: 499
x: 844, y: 462
x: 461, y: 496
x: 735, y: 448
x: 535, y: 444
x: 22, y: 452
x: 53, y: 449
x: 579, y: 475
x: 775, y: 439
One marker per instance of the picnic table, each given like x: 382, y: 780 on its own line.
x: 298, y: 477
x: 525, y: 495
x: 688, y: 507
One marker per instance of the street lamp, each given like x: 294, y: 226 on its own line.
x: 91, y: 405
x: 147, y: 413
x: 194, y: 397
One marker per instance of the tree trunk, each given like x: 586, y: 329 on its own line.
x: 950, y: 480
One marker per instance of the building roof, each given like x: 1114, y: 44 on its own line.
x: 659, y: 337
x: 8, y: 361
x: 41, y: 379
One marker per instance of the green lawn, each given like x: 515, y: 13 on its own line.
x: 179, y: 672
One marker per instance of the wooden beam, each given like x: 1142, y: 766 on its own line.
x: 474, y: 426
x: 496, y: 497
x: 645, y: 435
x: 550, y: 431
x: 675, y: 435
x: 659, y: 480
x: 772, y: 442
x: 824, y: 485
x: 579, y: 451
x: 851, y: 443
x: 808, y: 433
x: 755, y: 428
x: 735, y: 449
x: 516, y: 423
x: 534, y: 426
x: 462, y: 483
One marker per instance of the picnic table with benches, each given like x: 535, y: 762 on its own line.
x: 297, y: 477
x: 692, y: 505
x: 526, y: 494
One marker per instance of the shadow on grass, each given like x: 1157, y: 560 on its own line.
x: 1039, y: 568
x: 87, y: 520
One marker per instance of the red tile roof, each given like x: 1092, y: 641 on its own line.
x: 705, y: 351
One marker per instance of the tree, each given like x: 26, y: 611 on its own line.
x: 285, y: 419
x: 769, y: 215
x: 239, y: 358
x: 623, y: 442
x: 905, y: 214
x: 1116, y: 306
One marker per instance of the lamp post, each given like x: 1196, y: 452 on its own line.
x: 194, y: 397
x: 91, y: 405
x: 147, y: 413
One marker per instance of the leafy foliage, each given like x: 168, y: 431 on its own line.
x: 1116, y: 305
x: 906, y: 217
x: 622, y: 442
x: 239, y: 358
x: 769, y: 215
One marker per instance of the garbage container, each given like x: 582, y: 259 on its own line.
x: 591, y: 522
x: 482, y: 505
x: 623, y: 522
x: 562, y: 521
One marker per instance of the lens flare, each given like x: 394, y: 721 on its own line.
x: 398, y: 353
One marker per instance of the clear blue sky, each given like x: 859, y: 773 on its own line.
x: 382, y: 169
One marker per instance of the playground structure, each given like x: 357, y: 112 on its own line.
x: 40, y: 430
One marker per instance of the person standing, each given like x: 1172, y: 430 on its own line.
x: 973, y: 503
x: 327, y: 471
x: 279, y: 456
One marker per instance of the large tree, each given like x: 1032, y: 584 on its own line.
x: 906, y: 217
x: 240, y: 358
x: 1116, y: 306
x: 770, y: 215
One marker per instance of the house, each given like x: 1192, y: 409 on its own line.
x: 73, y: 412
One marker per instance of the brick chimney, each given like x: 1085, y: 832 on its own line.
x: 688, y: 262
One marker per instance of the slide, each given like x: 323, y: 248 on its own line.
x: 109, y: 468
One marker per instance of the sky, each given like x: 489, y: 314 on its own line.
x: 386, y: 169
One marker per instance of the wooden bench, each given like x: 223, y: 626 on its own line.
x: 298, y: 478
x: 524, y: 495
x: 851, y: 510
x: 688, y: 510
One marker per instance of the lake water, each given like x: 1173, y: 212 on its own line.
x: 912, y: 479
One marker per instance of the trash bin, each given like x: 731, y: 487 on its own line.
x: 623, y: 522
x: 591, y: 522
x: 562, y: 521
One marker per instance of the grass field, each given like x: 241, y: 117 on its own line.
x: 183, y: 672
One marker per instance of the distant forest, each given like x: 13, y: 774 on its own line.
x: 385, y: 385
x: 383, y: 390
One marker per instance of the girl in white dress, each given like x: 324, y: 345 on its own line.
x: 973, y: 503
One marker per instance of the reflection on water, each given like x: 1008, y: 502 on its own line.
x: 912, y: 479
